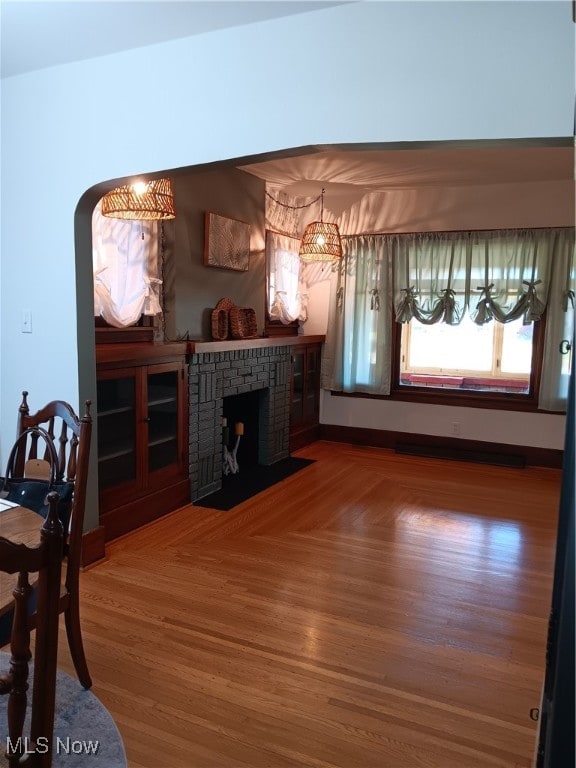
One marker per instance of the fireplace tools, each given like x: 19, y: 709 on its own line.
x: 230, y: 462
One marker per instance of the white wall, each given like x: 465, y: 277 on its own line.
x: 389, y: 72
x: 509, y: 427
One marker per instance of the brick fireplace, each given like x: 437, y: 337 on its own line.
x: 214, y: 376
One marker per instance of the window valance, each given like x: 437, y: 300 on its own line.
x: 500, y: 275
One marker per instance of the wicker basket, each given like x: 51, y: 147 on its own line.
x: 243, y: 323
x: 220, y: 321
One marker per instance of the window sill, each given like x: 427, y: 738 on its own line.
x: 500, y: 401
x: 467, y: 383
x: 497, y: 401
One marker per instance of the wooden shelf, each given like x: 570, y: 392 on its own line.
x: 116, y: 411
x: 229, y: 345
x: 131, y: 335
x: 120, y: 355
x: 161, y: 401
x: 115, y: 454
x: 162, y: 440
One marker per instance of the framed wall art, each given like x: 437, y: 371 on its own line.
x: 226, y: 243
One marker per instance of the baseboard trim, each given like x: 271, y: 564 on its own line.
x: 139, y: 511
x: 459, y: 454
x: 379, y: 438
x: 93, y: 546
x: 304, y: 437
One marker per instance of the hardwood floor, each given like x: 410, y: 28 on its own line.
x: 371, y: 611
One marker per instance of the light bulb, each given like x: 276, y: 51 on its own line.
x: 140, y: 187
x: 320, y: 241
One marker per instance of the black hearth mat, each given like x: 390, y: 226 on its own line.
x: 238, y: 488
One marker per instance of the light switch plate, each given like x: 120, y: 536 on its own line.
x: 26, y: 326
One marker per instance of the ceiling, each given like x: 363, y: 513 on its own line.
x: 348, y: 173
x: 36, y: 35
x: 477, y: 163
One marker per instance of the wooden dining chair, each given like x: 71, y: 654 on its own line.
x: 45, y: 559
x: 71, y: 437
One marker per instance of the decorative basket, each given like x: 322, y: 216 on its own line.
x: 243, y: 323
x: 219, y: 317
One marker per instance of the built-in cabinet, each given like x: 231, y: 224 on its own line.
x: 305, y: 395
x: 142, y: 422
x: 142, y: 427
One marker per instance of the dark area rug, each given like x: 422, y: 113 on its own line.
x: 85, y: 735
x: 238, y: 488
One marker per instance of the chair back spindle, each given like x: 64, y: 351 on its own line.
x: 70, y: 436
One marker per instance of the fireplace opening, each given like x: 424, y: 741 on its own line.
x: 242, y: 409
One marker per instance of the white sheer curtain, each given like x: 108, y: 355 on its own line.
x: 559, y: 335
x: 286, y: 293
x: 357, y: 355
x: 126, y: 268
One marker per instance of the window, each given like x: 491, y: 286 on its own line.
x: 494, y: 357
x: 127, y: 269
x: 454, y: 316
x: 286, y: 299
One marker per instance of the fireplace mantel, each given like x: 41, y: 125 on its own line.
x: 230, y: 345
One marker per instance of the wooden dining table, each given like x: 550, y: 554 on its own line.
x: 21, y: 526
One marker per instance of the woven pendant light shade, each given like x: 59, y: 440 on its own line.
x: 144, y: 200
x: 321, y: 242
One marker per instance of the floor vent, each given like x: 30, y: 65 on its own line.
x: 458, y: 454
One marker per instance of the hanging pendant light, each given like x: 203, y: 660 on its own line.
x: 143, y: 200
x: 321, y: 240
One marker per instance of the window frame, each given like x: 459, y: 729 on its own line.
x: 496, y: 374
x: 471, y: 398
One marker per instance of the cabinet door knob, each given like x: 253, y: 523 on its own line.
x: 146, y: 419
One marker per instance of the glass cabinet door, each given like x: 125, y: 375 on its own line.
x: 162, y: 419
x: 116, y: 430
x: 297, y: 401
x: 312, y: 379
